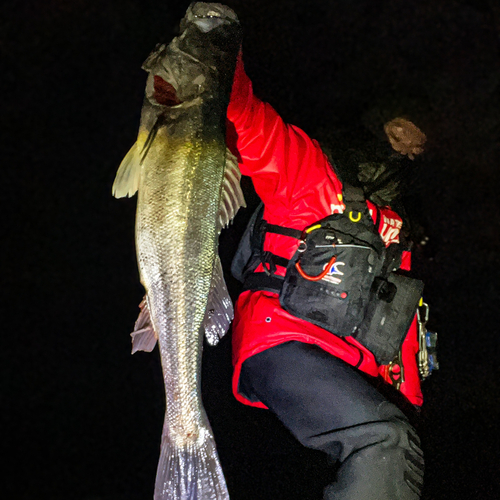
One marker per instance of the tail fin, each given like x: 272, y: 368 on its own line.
x: 190, y: 471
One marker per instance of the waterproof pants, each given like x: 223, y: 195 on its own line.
x: 329, y: 406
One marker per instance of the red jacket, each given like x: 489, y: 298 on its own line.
x: 298, y: 186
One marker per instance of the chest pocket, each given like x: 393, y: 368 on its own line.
x: 329, y: 279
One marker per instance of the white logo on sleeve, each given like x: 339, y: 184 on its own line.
x: 390, y: 229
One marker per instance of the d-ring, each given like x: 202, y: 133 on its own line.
x: 353, y: 219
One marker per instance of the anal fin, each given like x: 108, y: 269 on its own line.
x: 144, y: 337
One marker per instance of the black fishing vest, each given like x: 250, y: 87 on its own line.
x: 341, y: 278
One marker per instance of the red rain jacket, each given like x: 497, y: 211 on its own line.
x: 298, y: 186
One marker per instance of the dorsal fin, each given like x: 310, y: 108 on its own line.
x: 232, y: 196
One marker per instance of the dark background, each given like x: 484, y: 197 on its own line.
x: 80, y: 417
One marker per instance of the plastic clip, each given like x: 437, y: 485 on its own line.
x: 267, y: 258
x: 396, y: 371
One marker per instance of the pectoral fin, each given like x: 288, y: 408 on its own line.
x: 232, y: 196
x: 219, y: 313
x: 143, y: 337
x: 127, y: 178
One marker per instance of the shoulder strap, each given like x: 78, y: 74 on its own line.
x: 249, y: 246
x: 263, y: 281
x: 285, y: 231
x: 353, y: 194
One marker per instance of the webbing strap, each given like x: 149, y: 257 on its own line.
x: 262, y: 281
x: 271, y: 258
x: 353, y: 194
x: 284, y: 231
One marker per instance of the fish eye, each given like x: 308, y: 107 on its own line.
x: 207, y: 24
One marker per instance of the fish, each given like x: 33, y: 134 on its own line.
x: 188, y: 187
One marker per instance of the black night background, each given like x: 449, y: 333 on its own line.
x: 80, y: 417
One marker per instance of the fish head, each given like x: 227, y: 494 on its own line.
x: 197, y: 62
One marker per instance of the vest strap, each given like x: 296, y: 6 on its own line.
x: 263, y: 281
x: 265, y: 227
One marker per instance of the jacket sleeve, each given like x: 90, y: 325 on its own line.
x: 279, y: 157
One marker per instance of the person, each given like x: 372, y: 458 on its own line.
x: 321, y: 385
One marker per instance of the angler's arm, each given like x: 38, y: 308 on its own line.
x: 278, y: 156
x: 258, y: 129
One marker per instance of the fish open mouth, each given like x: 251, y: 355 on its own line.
x: 164, y: 92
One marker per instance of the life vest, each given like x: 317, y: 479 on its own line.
x: 341, y: 278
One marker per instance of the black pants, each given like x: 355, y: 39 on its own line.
x: 329, y: 406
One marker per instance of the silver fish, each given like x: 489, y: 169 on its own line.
x: 188, y: 190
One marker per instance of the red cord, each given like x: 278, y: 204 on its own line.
x: 320, y: 276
